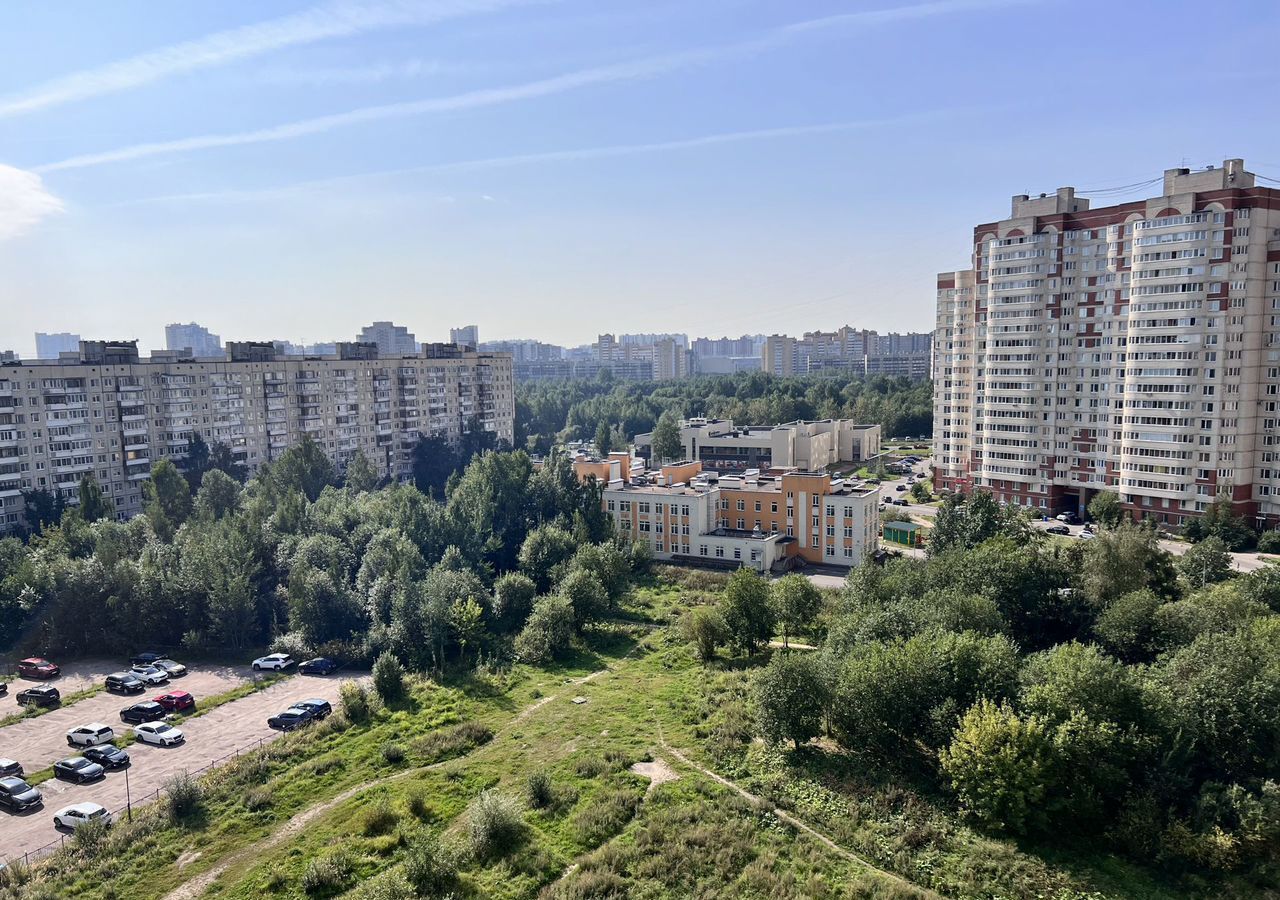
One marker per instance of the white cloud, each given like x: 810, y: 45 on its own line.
x: 627, y: 71
x: 340, y: 18
x: 895, y: 14
x: 374, y: 73
x: 557, y: 156
x: 24, y: 202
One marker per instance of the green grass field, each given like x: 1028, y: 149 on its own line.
x: 335, y: 810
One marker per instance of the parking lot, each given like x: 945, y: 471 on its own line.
x: 232, y: 727
x: 40, y: 741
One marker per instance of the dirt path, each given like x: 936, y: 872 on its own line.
x: 799, y: 824
x: 195, y: 887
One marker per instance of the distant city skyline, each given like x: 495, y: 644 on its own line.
x: 292, y: 169
x: 394, y: 338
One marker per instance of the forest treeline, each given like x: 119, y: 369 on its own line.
x: 575, y: 410
x: 303, y: 559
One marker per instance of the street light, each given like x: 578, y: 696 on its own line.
x: 128, y: 796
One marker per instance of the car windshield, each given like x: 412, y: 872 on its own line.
x: 160, y: 729
x: 166, y: 662
x: 77, y: 763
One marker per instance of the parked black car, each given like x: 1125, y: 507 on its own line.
x: 145, y: 659
x: 318, y: 707
x: 146, y: 711
x: 17, y: 795
x: 77, y: 769
x: 125, y: 683
x: 1057, y: 529
x: 291, y: 718
x: 108, y: 756
x: 319, y: 666
x: 40, y: 695
x: 4, y: 688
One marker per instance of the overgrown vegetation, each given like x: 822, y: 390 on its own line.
x: 1010, y: 717
x: 586, y: 410
x: 307, y: 561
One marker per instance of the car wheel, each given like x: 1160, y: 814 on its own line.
x: 57, y: 823
x: 257, y: 668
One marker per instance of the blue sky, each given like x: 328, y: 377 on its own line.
x: 559, y: 168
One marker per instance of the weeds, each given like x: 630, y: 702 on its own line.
x: 495, y: 823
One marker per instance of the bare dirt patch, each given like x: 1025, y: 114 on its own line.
x: 658, y: 772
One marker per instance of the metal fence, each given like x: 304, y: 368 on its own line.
x: 126, y: 811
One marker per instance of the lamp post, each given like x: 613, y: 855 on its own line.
x: 128, y: 796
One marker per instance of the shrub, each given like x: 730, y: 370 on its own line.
x: 538, y: 790
x: 430, y: 867
x: 417, y: 806
x: 378, y: 818
x: 258, y: 798
x: 393, y: 753
x: 183, y: 796
x: 513, y: 595
x: 90, y: 837
x: 390, y: 885
x: 590, y: 766
x: 548, y: 631
x: 15, y: 874
x: 357, y: 705
x: 605, y: 816
x: 327, y: 874
x: 705, y: 628
x: 447, y: 743
x: 1269, y: 542
x: 495, y: 824
x: 388, y: 677
x: 292, y: 643
x: 999, y: 766
x: 586, y: 594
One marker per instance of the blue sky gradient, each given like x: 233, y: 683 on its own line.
x: 558, y: 168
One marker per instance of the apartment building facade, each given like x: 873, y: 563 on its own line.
x: 112, y: 414
x: 766, y: 520
x: 1133, y: 348
x: 191, y: 336
x: 851, y: 350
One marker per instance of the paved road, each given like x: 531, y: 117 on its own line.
x: 41, y: 741
x: 226, y: 729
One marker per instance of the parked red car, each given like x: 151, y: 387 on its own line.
x: 177, y: 701
x: 35, y: 667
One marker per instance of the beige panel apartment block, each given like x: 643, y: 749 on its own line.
x: 1133, y: 348
x: 115, y: 415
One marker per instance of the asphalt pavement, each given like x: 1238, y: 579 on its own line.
x: 211, y: 739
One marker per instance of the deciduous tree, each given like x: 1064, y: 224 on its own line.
x: 789, y: 698
x: 746, y: 610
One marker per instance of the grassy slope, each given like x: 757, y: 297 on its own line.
x: 599, y: 838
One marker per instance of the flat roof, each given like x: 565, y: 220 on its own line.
x: 902, y: 526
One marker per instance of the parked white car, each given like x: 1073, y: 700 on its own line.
x: 78, y: 814
x: 162, y: 734
x: 90, y: 735
x: 150, y: 674
x: 273, y: 661
x: 174, y: 669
